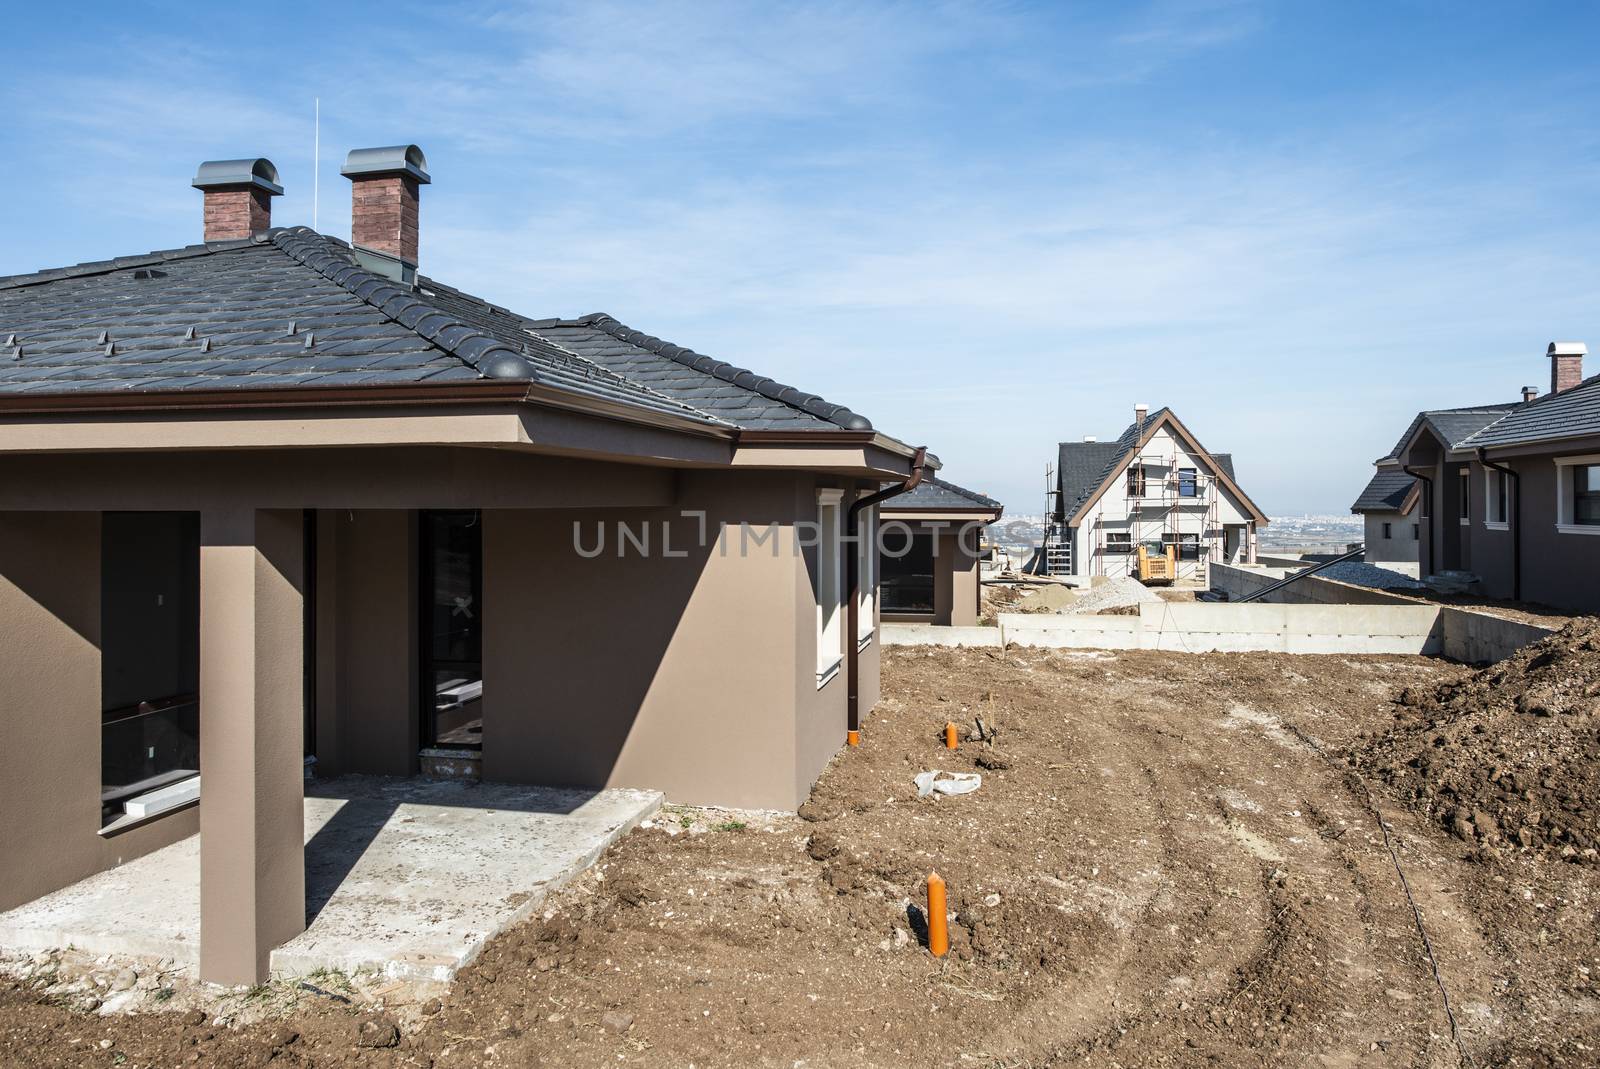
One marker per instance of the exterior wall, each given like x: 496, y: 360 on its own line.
x: 691, y: 674
x: 1146, y: 519
x: 368, y: 707
x: 1400, y: 545
x: 1561, y: 570
x: 50, y: 677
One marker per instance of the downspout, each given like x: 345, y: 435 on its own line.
x: 852, y: 571
x: 1427, y: 489
x: 1516, y: 521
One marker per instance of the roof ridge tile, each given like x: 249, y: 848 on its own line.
x: 472, y: 347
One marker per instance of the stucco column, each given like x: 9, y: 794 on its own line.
x: 252, y: 862
x: 1250, y: 544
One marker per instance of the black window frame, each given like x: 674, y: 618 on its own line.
x: 1118, y: 548
x: 900, y: 590
x: 1187, y: 543
x: 1388, y: 530
x: 1466, y: 494
x: 1138, y: 481
x: 1188, y: 482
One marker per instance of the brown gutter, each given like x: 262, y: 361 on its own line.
x: 1516, y: 521
x: 852, y: 565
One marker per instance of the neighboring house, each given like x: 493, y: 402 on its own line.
x: 1510, y: 493
x: 272, y: 497
x: 1388, y: 506
x: 1156, y: 486
x: 928, y: 551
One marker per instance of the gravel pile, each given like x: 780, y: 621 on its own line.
x: 1509, y: 757
x: 1359, y: 573
x: 1115, y: 593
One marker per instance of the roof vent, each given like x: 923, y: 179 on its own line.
x: 238, y: 197
x: 385, y: 183
x: 1566, y: 364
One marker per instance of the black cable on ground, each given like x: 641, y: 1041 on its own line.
x: 1405, y: 885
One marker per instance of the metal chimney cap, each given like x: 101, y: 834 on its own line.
x: 395, y: 159
x: 221, y: 174
x: 1567, y: 348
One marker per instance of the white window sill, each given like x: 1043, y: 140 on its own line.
x: 825, y: 676
x: 864, y: 641
x: 1578, y: 528
x: 1494, y: 525
x: 152, y: 804
x: 1465, y: 522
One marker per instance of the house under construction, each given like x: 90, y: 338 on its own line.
x: 1154, y: 488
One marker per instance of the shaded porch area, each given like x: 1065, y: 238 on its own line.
x: 409, y: 877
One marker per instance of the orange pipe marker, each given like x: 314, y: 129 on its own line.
x: 950, y: 736
x: 938, y: 925
x: 852, y: 738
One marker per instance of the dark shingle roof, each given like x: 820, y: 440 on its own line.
x: 1083, y: 466
x: 292, y: 308
x: 933, y: 494
x: 1225, y: 462
x: 733, y: 393
x: 1453, y: 425
x: 1385, y: 493
x: 1571, y: 413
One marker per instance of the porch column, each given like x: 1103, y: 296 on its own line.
x: 252, y: 861
x: 1250, y: 543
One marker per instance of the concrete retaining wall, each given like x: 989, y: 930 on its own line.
x: 1209, y: 627
x: 1237, y: 581
x: 1201, y: 627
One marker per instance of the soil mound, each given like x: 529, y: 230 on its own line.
x: 1510, y: 756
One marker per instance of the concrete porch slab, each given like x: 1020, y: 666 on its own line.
x: 408, y: 877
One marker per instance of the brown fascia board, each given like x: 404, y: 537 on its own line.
x: 1144, y: 439
x: 233, y: 401
x: 315, y: 398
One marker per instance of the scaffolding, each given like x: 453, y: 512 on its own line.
x: 1163, y: 503
x: 1057, y: 542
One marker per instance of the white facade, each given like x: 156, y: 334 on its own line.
x: 1176, y: 500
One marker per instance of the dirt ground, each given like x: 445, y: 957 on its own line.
x: 1169, y: 863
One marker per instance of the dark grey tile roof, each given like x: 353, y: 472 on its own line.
x: 933, y: 494
x: 1083, y: 466
x: 1573, y: 413
x: 743, y: 397
x: 1453, y: 425
x: 1385, y: 493
x: 292, y: 308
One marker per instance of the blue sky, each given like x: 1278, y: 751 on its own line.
x: 989, y: 227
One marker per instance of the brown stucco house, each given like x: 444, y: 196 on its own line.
x: 1509, y: 494
x: 276, y: 499
x: 928, y: 551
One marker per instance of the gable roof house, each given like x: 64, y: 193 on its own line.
x: 276, y: 496
x: 1387, y: 506
x: 1509, y: 494
x: 928, y: 552
x: 1154, y: 485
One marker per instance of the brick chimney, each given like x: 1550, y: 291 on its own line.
x: 1529, y: 393
x: 1566, y: 364
x: 238, y: 197
x: 383, y: 207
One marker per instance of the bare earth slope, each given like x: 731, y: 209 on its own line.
x: 1162, y: 868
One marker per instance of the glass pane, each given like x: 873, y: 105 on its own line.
x: 906, y: 582
x: 454, y: 548
x: 150, y: 653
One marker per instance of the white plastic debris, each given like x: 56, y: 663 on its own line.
x: 952, y: 783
